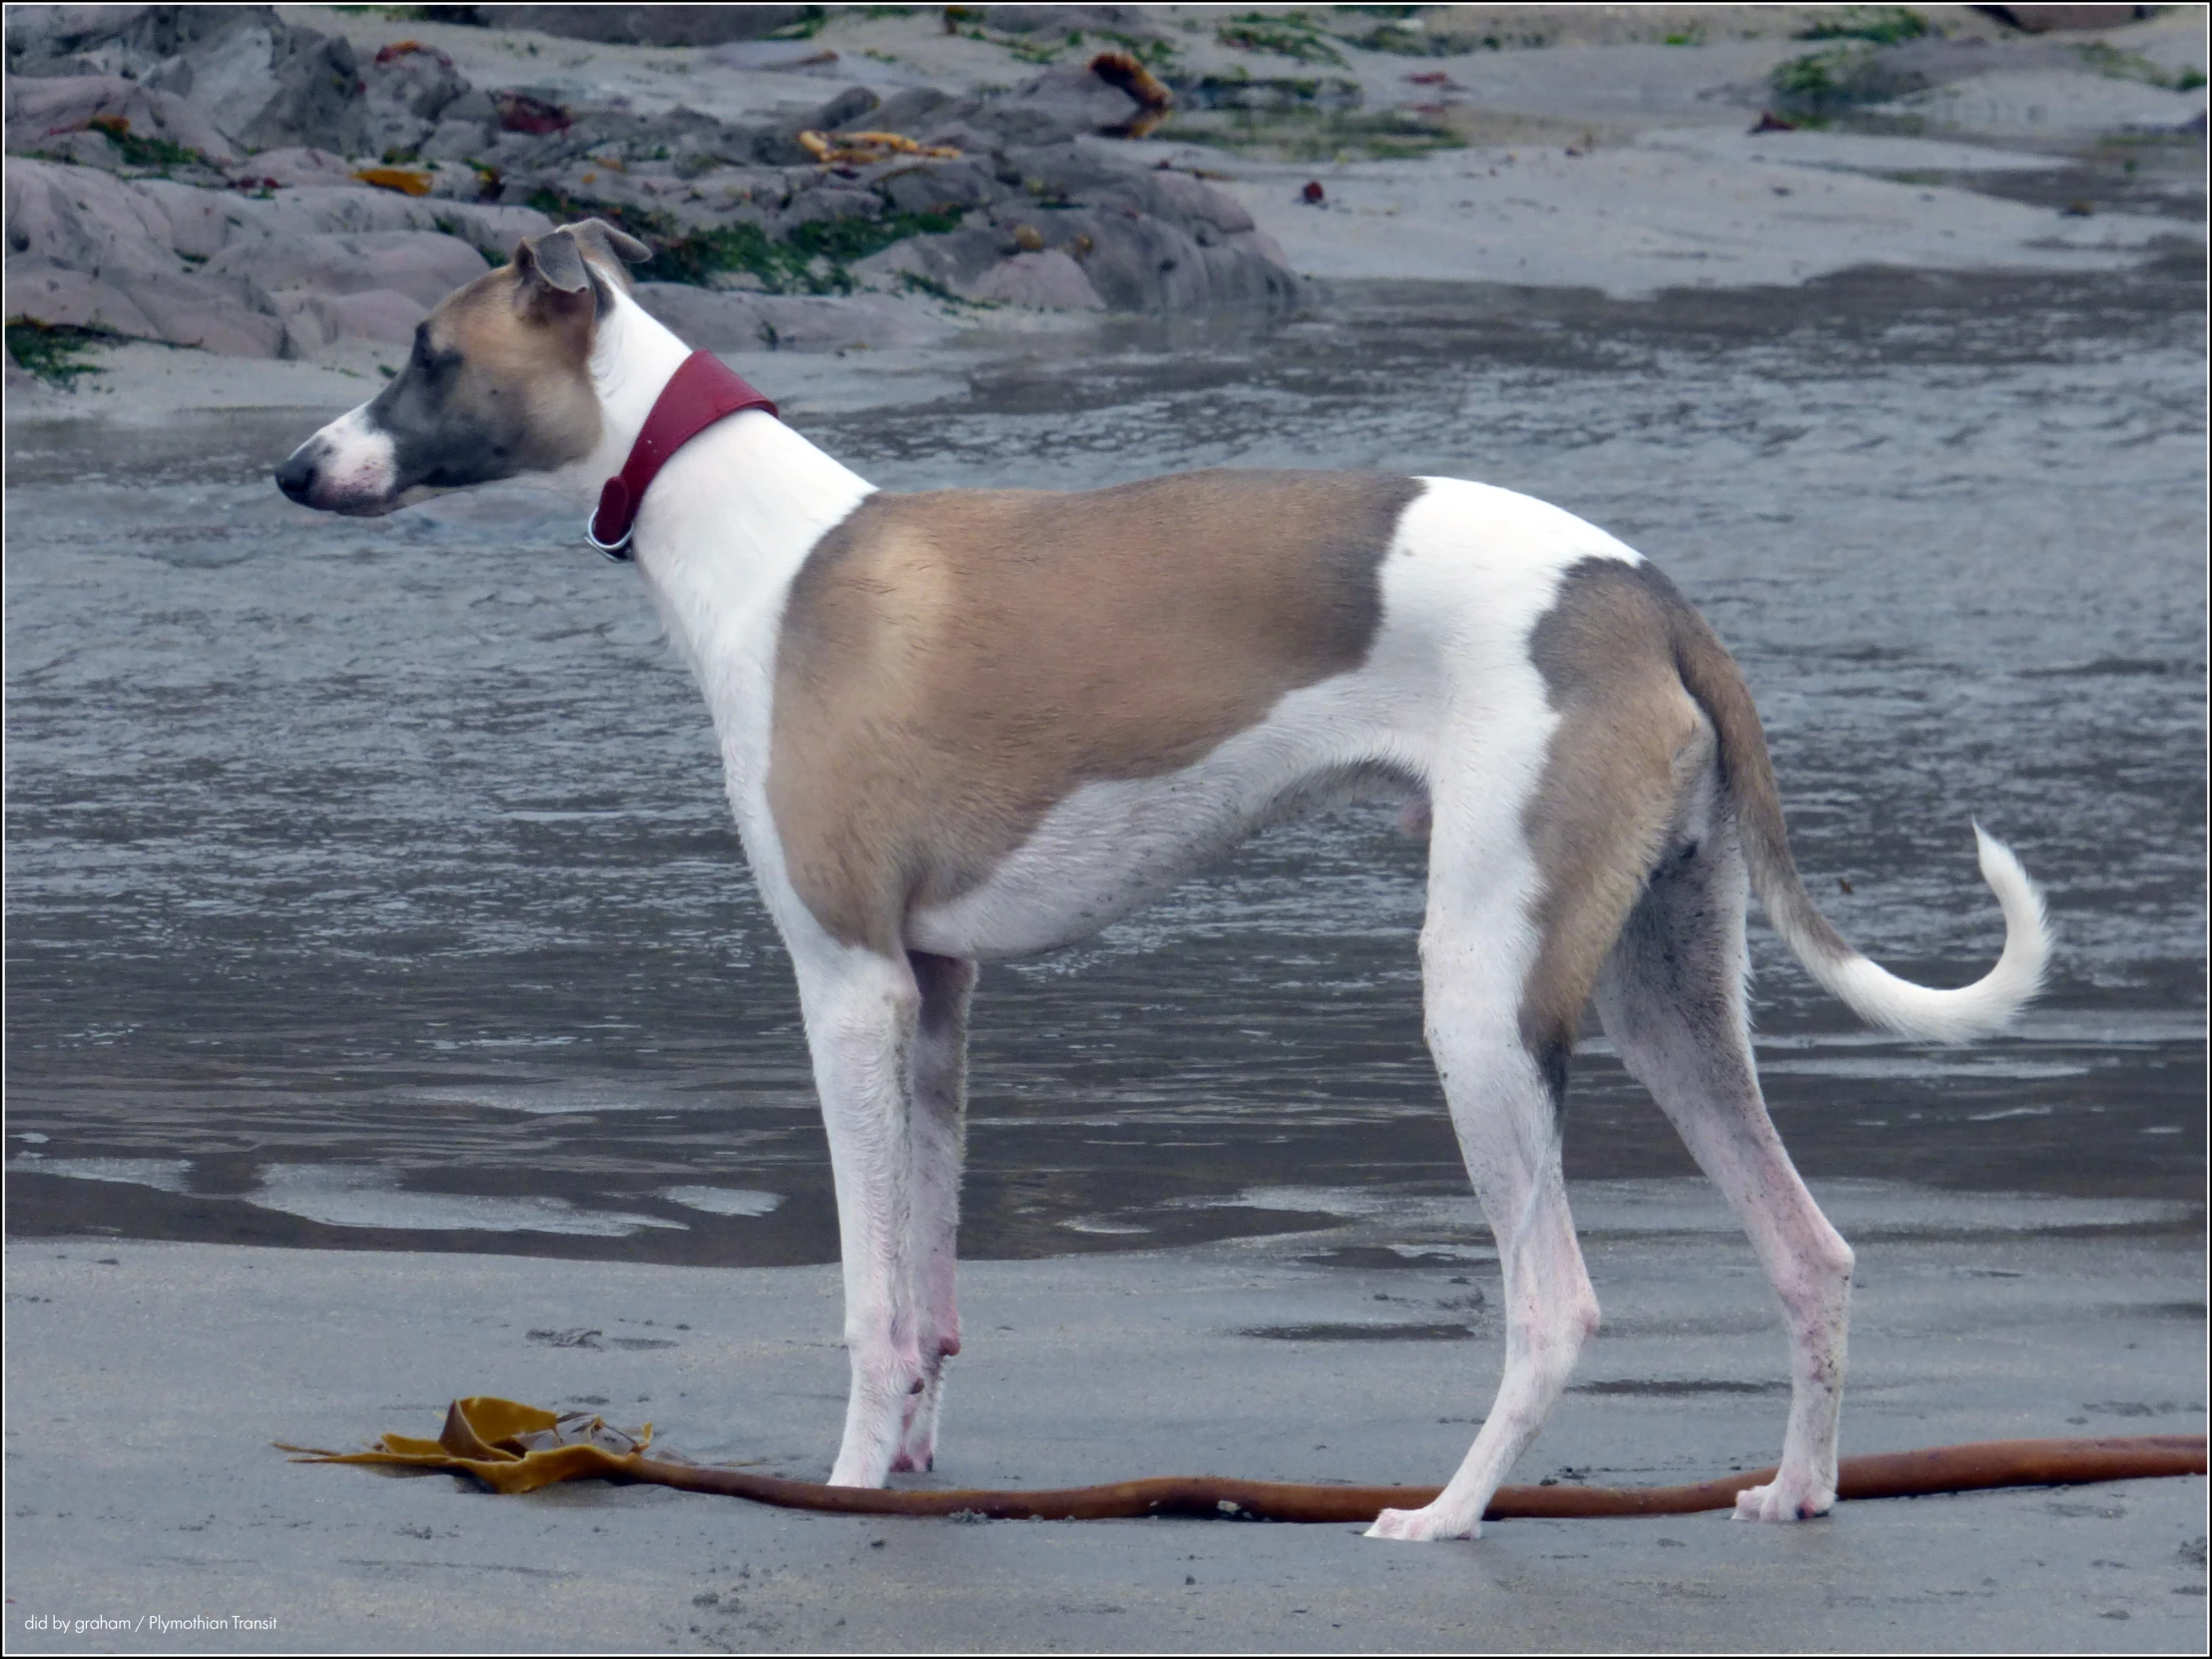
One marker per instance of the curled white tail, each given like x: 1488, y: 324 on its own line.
x: 1881, y: 998
x: 1872, y: 992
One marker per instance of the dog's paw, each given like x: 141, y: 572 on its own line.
x: 917, y: 1430
x: 917, y: 1445
x: 1421, y: 1526
x: 1786, y: 1500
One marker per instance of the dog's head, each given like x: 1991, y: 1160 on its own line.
x: 499, y: 384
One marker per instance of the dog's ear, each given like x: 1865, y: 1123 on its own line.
x: 552, y: 262
x: 611, y: 243
x: 555, y: 269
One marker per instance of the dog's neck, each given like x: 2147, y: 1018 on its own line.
x: 732, y: 516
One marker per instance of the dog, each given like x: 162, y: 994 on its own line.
x: 969, y: 725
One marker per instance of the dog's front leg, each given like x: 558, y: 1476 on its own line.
x: 861, y: 1009
x: 938, y: 1135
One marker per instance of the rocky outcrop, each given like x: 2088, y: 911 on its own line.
x: 645, y: 25
x: 254, y: 77
x: 158, y: 260
x: 58, y: 116
x: 1137, y: 240
x: 215, y: 176
x: 722, y: 321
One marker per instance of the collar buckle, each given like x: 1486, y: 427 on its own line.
x: 616, y: 551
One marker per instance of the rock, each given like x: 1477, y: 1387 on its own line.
x: 456, y: 141
x: 409, y: 89
x: 266, y: 84
x: 1058, y: 104
x: 951, y: 261
x: 1142, y: 240
x: 2037, y: 20
x: 204, y: 223
x: 1048, y: 281
x: 709, y: 319
x: 70, y: 40
x: 1194, y: 204
x: 648, y: 25
x: 937, y: 187
x: 198, y: 312
x: 1135, y: 22
x: 1137, y: 262
x: 716, y: 321
x: 421, y: 265
x: 679, y: 141
x: 490, y: 228
x: 76, y: 219
x: 175, y: 309
x: 374, y: 314
x: 40, y: 111
x: 259, y: 80
x: 911, y: 111
x: 840, y: 112
x: 1850, y: 73
x: 87, y: 148
x: 312, y: 319
x: 760, y: 56
x: 301, y: 165
x: 777, y: 145
x: 63, y: 298
x: 520, y: 111
x: 828, y: 202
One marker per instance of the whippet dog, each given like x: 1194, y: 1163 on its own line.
x: 969, y: 725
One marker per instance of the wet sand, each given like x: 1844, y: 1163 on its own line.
x: 1362, y: 1352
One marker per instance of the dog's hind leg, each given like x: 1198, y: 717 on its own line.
x: 1672, y: 999
x: 1509, y: 950
x: 1504, y: 1110
x: 863, y: 1011
x: 936, y: 1135
x: 1525, y: 899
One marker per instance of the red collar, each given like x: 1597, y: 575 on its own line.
x: 696, y: 396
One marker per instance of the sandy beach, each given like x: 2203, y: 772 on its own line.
x: 147, y: 1380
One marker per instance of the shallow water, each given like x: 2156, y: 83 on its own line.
x: 370, y: 883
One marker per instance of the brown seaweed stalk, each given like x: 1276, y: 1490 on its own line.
x: 511, y: 1447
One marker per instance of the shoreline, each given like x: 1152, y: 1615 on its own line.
x: 1600, y: 159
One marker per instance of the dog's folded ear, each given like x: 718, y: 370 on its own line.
x: 560, y: 259
x: 553, y: 261
x: 608, y: 243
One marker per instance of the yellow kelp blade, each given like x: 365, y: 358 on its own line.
x: 509, y: 1446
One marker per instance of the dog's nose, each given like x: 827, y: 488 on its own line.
x: 296, y: 476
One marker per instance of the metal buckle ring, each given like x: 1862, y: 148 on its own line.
x: 618, y: 552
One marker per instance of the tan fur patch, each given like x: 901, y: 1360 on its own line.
x: 1629, y: 743
x: 539, y: 343
x: 955, y: 664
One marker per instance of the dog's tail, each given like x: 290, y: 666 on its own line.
x: 1875, y: 994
